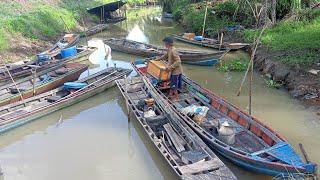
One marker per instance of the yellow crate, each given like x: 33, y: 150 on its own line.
x: 157, y: 69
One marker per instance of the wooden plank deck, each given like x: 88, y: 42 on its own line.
x: 201, y: 166
x: 174, y: 137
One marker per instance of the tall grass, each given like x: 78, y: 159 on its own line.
x: 299, y: 39
x: 44, y: 22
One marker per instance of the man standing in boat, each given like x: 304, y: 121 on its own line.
x: 174, y: 65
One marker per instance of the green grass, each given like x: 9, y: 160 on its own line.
x: 3, y: 40
x: 44, y: 22
x: 299, y: 39
x: 237, y: 65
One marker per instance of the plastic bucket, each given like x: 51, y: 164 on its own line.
x: 68, y: 52
x: 198, y: 38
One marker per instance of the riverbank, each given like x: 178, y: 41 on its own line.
x: 29, y: 27
x: 289, y: 53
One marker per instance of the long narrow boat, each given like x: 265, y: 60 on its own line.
x: 115, y: 20
x: 255, y: 146
x: 147, y: 50
x: 96, y: 29
x: 22, y: 112
x: 213, y: 43
x: 22, y: 70
x: 46, y: 80
x: 66, y: 41
x: 184, y: 151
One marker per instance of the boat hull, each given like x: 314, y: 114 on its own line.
x: 190, y: 57
x: 70, y: 76
x: 203, y: 63
x: 277, y: 146
x: 231, y: 47
x: 43, y: 111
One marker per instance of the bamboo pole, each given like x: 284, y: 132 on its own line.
x: 65, y: 24
x: 250, y: 67
x: 15, y: 84
x: 205, y: 19
x: 34, y: 81
x: 221, y: 40
x: 304, y: 153
x: 250, y: 88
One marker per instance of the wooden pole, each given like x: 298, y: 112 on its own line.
x: 205, y: 19
x: 15, y: 84
x: 304, y: 153
x: 68, y: 30
x: 84, y: 25
x: 127, y: 102
x: 255, y: 46
x: 221, y: 39
x: 250, y: 88
x: 34, y: 81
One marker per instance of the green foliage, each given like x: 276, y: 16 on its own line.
x: 283, y: 8
x: 272, y: 84
x: 44, y: 22
x: 226, y: 10
x: 3, y: 40
x: 234, y: 65
x: 179, y: 8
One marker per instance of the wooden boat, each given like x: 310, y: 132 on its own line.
x: 22, y: 70
x: 66, y: 41
x: 256, y: 146
x: 188, y: 156
x: 96, y: 29
x: 44, y: 81
x: 147, y: 50
x: 27, y: 110
x: 114, y: 20
x: 213, y: 43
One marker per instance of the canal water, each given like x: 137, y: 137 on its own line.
x: 96, y: 141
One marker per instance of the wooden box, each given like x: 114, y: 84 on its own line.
x: 157, y: 69
x: 189, y: 35
x: 68, y: 37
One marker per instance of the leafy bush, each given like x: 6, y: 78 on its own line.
x: 272, y: 84
x: 234, y: 65
x: 226, y: 10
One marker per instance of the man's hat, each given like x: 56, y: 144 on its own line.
x: 168, y: 40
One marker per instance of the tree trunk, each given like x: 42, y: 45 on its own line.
x: 264, y: 14
x: 274, y: 11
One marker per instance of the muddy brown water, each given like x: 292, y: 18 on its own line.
x: 94, y: 140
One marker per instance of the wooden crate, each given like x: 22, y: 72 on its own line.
x: 68, y: 37
x: 157, y: 69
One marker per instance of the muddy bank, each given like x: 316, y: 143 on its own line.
x: 22, y: 48
x: 298, y: 81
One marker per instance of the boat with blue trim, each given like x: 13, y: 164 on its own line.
x: 251, y: 144
x: 201, y: 58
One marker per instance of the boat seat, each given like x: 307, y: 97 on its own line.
x: 52, y: 99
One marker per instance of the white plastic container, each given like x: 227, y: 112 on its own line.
x: 227, y: 133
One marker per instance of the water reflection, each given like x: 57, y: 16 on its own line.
x: 136, y: 34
